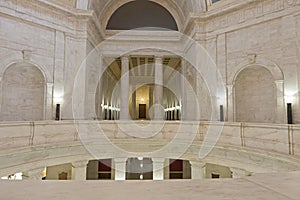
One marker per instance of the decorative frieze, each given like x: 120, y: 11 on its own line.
x: 248, y: 12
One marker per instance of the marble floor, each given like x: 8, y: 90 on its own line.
x: 260, y: 186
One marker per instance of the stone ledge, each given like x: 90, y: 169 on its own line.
x: 260, y: 186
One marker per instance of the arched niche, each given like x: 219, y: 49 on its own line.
x: 277, y: 74
x: 141, y: 14
x: 23, y: 89
x: 255, y: 95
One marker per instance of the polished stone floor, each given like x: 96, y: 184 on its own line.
x: 260, y: 186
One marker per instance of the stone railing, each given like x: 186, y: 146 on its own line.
x: 269, y: 137
x: 49, y: 143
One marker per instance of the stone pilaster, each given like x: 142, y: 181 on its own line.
x: 280, y: 106
x: 230, y: 103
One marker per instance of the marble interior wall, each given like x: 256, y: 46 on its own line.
x: 272, y: 41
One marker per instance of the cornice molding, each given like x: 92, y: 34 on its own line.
x: 237, y: 12
x: 47, y: 14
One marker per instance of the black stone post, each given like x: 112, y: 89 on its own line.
x: 57, y: 112
x: 289, y: 113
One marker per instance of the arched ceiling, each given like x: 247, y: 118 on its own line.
x: 141, y: 14
x: 180, y: 9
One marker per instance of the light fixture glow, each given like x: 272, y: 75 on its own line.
x: 57, y: 100
x: 289, y: 98
x: 140, y: 158
x: 58, y: 97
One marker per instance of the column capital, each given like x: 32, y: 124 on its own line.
x: 49, y: 84
x: 120, y: 160
x: 158, y: 58
x: 158, y: 160
x: 197, y: 164
x: 279, y: 81
x: 79, y: 164
x: 125, y: 58
x: 229, y: 86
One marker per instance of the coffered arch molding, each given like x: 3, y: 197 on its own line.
x: 111, y: 6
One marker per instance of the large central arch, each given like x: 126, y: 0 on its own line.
x: 179, y: 9
x: 141, y: 14
x: 113, y: 5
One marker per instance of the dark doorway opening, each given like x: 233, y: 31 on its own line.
x: 142, y: 111
x: 215, y: 176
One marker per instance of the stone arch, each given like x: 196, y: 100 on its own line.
x: 141, y: 14
x: 278, y: 79
x: 23, y: 92
x: 9, y: 62
x: 172, y: 8
x: 253, y: 59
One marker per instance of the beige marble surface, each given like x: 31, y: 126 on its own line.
x: 260, y: 186
x: 260, y: 148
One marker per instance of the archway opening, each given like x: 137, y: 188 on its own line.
x: 142, y: 14
x: 139, y: 169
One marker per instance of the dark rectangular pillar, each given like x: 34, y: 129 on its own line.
x: 289, y: 113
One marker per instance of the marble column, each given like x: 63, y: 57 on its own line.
x: 158, y: 168
x: 120, y: 169
x: 151, y: 115
x: 197, y: 170
x: 183, y: 91
x: 79, y: 170
x: 158, y: 90
x: 239, y: 173
x: 134, y: 117
x: 34, y: 174
x: 124, y: 93
x: 280, y: 106
x: 99, y: 109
